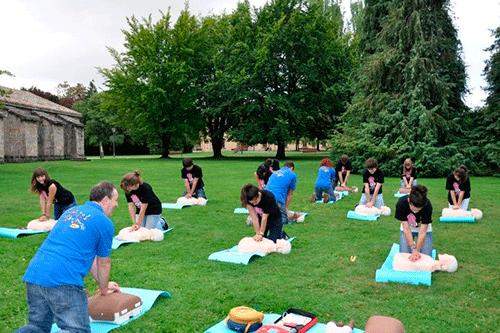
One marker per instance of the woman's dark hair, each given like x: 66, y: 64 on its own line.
x: 344, y: 158
x: 275, y: 164
x: 187, y: 162
x: 290, y: 164
x: 268, y: 162
x: 371, y: 163
x: 418, y: 196
x: 35, y: 186
x: 462, y: 172
x: 248, y: 192
x: 130, y: 179
x: 101, y: 190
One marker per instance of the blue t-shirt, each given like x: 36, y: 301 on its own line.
x: 66, y: 256
x: 281, y: 182
x: 326, y: 176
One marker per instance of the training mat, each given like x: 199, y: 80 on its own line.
x: 399, y: 195
x: 241, y: 210
x: 173, y: 205
x: 457, y: 219
x: 233, y: 256
x: 117, y: 242
x: 270, y: 318
x: 148, y: 298
x: 387, y: 274
x: 14, y: 233
x: 361, y: 217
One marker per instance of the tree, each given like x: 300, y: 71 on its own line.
x: 299, y: 77
x: 152, y: 85
x: 69, y: 95
x: 44, y: 94
x: 408, y: 100
x: 224, y: 74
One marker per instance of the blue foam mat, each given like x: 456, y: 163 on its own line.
x: 14, y: 233
x: 386, y: 274
x: 361, y: 217
x: 270, y: 318
x: 399, y: 195
x: 241, y: 210
x: 233, y: 256
x: 117, y: 243
x: 148, y: 298
x: 456, y: 219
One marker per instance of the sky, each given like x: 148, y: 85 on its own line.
x: 44, y: 43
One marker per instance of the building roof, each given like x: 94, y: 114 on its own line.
x: 21, y: 98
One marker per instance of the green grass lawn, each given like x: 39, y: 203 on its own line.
x: 317, y: 276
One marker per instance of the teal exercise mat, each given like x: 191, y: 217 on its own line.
x: 117, y: 242
x: 14, y: 233
x: 233, y: 256
x: 148, y: 298
x: 361, y: 217
x: 399, y: 195
x: 270, y: 318
x: 240, y: 210
x: 387, y: 274
x: 457, y: 219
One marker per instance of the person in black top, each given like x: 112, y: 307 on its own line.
x: 51, y: 192
x: 270, y: 225
x: 144, y: 206
x: 408, y: 176
x: 265, y: 170
x: 458, y: 186
x: 415, y: 213
x: 343, y: 169
x: 373, y: 178
x: 193, y: 179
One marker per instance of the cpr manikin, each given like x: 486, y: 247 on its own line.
x: 139, y: 235
x: 445, y: 262
x: 183, y: 201
x: 339, y: 327
x: 41, y: 225
x: 364, y: 210
x: 116, y: 307
x: 450, y: 212
x: 249, y: 245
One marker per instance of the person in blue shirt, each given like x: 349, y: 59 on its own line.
x: 323, y: 188
x: 281, y: 184
x: 79, y: 242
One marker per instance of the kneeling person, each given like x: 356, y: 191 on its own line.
x: 79, y: 242
x: 415, y: 213
x: 193, y: 179
x: 270, y: 225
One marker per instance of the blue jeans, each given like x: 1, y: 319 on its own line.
x: 64, y: 305
x: 464, y: 206
x: 402, y: 183
x: 152, y: 221
x: 284, y: 215
x: 405, y: 248
x: 322, y: 189
x: 379, y: 201
x: 200, y: 193
x: 59, y: 209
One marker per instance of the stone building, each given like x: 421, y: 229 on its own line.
x: 33, y: 128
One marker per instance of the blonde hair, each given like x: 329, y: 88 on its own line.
x: 409, y: 162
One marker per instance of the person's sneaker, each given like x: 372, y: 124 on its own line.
x: 313, y: 197
x: 326, y: 198
x: 165, y: 224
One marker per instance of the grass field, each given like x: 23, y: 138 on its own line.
x: 317, y: 276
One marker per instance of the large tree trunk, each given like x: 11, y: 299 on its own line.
x: 217, y: 145
x: 101, y: 150
x: 317, y: 144
x: 280, y: 153
x: 297, y: 143
x: 165, y: 146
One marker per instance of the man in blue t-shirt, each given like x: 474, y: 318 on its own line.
x: 79, y: 242
x: 282, y: 183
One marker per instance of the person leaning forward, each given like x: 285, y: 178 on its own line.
x: 79, y: 242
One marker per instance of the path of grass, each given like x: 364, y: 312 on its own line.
x: 316, y: 276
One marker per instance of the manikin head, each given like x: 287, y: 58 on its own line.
x: 447, y: 263
x: 106, y: 195
x: 476, y: 213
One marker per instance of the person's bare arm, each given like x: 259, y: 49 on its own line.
x: 410, y: 182
x: 131, y: 211
x: 193, y: 186
x: 288, y: 199
x: 454, y: 199
x: 50, y: 199
x: 100, y: 270
x: 460, y: 199
x: 348, y: 173
x: 367, y: 193
x: 375, y: 193
x: 262, y: 229
x: 140, y: 218
x: 254, y: 217
x: 43, y: 199
x: 341, y: 178
x: 188, y: 188
x: 421, y: 236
